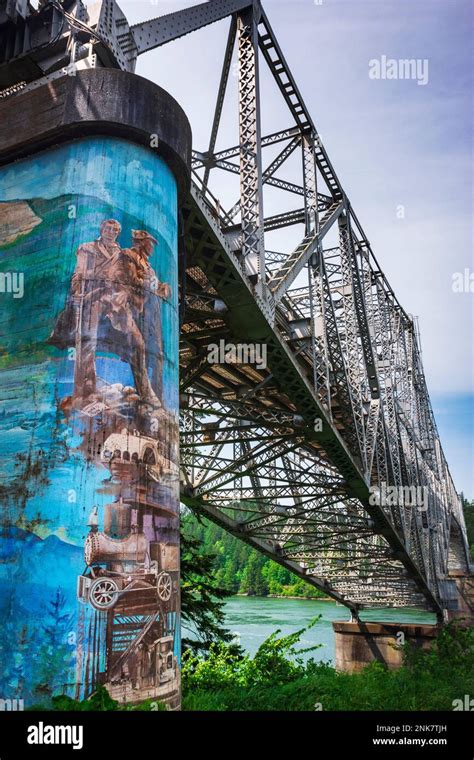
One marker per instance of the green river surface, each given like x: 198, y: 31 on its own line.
x: 252, y: 619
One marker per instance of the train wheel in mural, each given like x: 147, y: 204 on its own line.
x: 103, y: 593
x: 164, y: 587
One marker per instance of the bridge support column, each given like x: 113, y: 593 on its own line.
x: 92, y: 167
x: 359, y: 643
x: 464, y: 611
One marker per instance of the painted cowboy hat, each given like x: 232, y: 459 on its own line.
x: 143, y: 235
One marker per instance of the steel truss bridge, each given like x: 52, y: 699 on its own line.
x: 286, y: 454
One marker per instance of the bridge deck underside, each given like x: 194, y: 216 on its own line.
x: 268, y: 449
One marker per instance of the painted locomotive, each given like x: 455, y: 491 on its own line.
x: 118, y: 567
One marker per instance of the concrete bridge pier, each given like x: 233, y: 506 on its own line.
x: 93, y: 169
x: 358, y: 643
x: 464, y: 584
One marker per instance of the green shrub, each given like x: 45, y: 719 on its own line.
x: 276, y: 678
x: 277, y: 661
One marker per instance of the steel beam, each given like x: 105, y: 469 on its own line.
x: 251, y: 195
x: 151, y: 34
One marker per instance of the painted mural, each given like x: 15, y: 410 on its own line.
x: 89, y: 479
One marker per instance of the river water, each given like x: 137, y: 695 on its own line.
x: 252, y: 619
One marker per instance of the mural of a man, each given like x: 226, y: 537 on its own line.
x: 100, y: 312
x: 146, y: 293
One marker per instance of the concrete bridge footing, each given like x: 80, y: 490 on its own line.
x: 360, y: 643
x: 465, y: 597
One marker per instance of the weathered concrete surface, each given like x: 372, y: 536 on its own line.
x: 98, y: 102
x: 465, y: 588
x: 358, y: 644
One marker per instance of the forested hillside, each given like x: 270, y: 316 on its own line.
x: 241, y: 569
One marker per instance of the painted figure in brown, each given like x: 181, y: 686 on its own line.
x: 143, y: 285
x: 100, y: 313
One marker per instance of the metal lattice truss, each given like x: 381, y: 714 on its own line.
x: 288, y: 458
x: 296, y: 454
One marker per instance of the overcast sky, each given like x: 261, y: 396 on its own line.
x: 393, y: 142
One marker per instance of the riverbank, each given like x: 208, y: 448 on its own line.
x: 287, y: 596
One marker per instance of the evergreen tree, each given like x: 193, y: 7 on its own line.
x: 202, y: 598
x: 55, y: 655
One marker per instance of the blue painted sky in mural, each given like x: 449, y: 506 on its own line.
x: 141, y: 175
